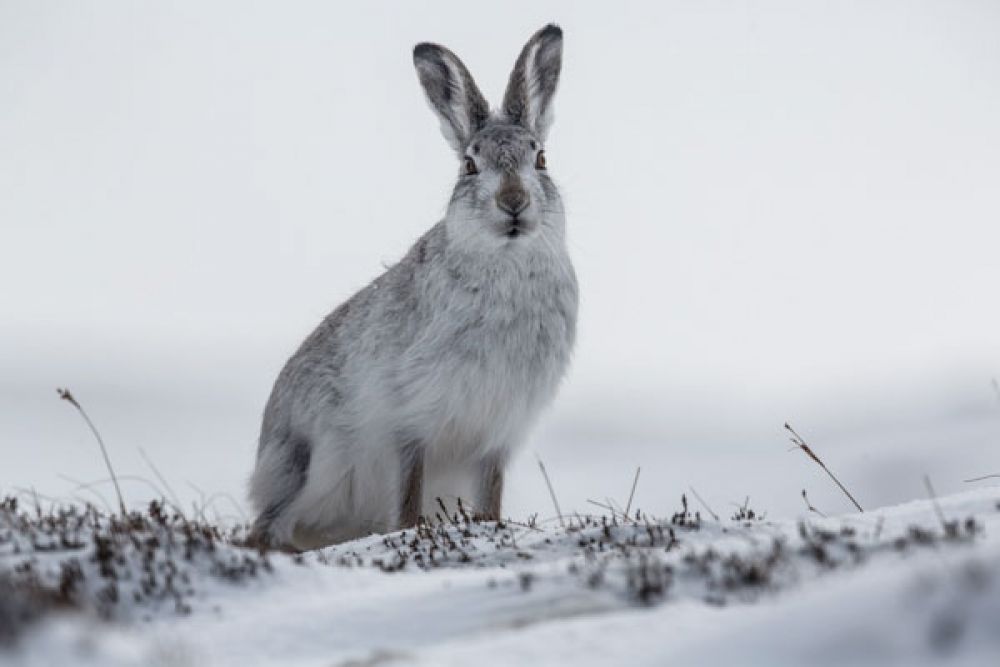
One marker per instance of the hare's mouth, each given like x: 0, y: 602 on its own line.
x: 515, y: 227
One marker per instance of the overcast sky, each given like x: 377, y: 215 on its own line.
x: 777, y: 210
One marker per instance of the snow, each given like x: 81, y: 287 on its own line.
x: 885, y: 587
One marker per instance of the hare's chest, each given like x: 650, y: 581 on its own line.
x: 503, y: 349
x: 512, y: 327
x: 487, y: 356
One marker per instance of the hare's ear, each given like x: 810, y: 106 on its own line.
x: 532, y: 85
x: 451, y: 92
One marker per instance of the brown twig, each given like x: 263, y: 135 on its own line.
x: 703, y: 503
x: 552, y: 493
x: 800, y: 443
x: 65, y: 395
x: 805, y: 499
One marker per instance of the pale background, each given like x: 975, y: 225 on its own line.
x: 778, y: 211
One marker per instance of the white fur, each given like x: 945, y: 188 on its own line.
x: 458, y: 348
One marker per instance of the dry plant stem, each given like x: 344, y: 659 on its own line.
x: 67, y: 396
x: 474, y: 510
x: 199, y: 512
x: 602, y: 505
x: 38, y: 505
x: 615, y: 511
x: 628, y: 505
x: 934, y: 501
x: 83, y: 486
x: 86, y: 486
x: 21, y: 491
x: 444, y: 511
x: 163, y: 481
x: 521, y: 524
x: 878, y: 527
x: 548, y: 483
x: 801, y: 444
x: 618, y: 507
x: 703, y: 503
x: 805, y: 499
x: 979, y: 479
x: 232, y: 501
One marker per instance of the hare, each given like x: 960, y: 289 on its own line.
x: 434, y: 372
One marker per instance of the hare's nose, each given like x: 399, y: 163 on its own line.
x: 512, y: 200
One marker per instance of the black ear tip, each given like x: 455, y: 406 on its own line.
x: 425, y: 51
x: 551, y: 31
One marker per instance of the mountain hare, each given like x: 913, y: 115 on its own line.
x: 433, y: 373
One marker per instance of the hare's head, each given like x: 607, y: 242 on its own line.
x: 504, y: 193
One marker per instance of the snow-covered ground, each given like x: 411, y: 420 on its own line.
x: 911, y: 584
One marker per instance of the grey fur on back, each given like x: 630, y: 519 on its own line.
x: 454, y: 350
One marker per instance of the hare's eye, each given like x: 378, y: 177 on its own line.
x: 470, y: 167
x: 540, y: 160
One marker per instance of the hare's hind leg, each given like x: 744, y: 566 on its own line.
x: 281, y: 473
x: 490, y: 490
x: 411, y: 460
